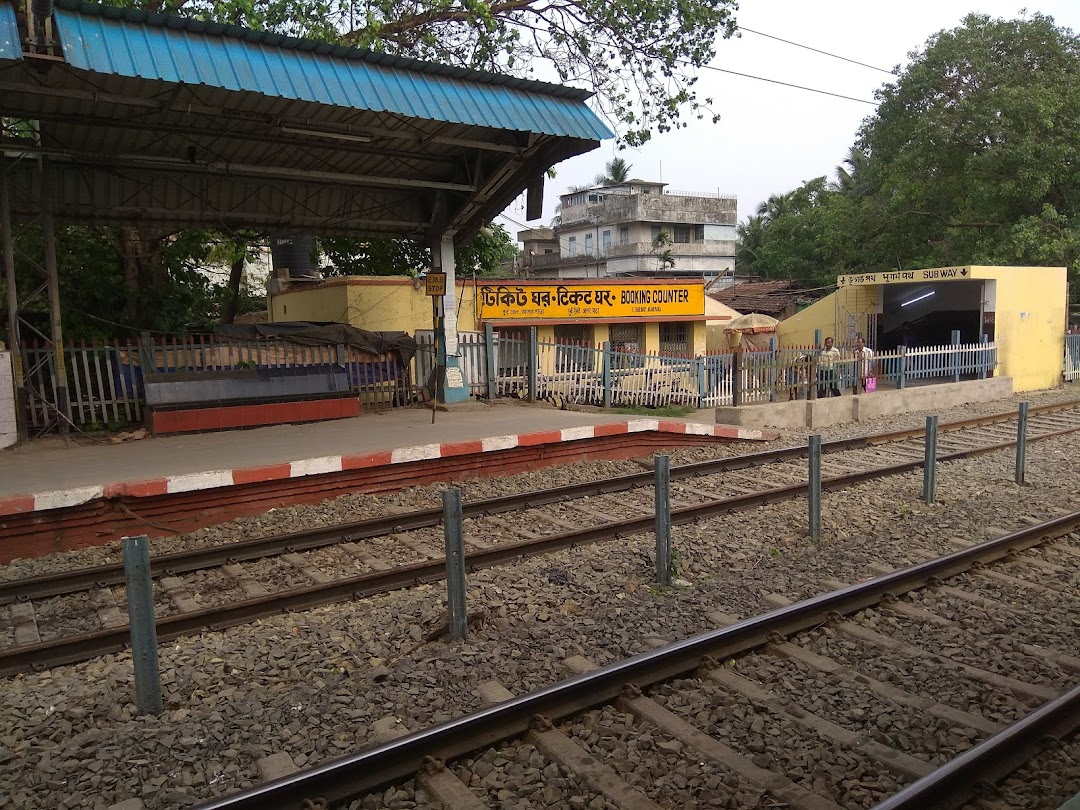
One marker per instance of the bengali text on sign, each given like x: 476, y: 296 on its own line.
x: 510, y: 302
x: 905, y: 276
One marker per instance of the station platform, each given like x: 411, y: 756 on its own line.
x: 245, y: 471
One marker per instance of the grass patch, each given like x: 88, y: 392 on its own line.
x: 672, y: 410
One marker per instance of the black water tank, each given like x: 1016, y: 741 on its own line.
x: 293, y: 252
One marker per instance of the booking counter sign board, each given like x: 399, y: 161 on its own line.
x: 500, y: 302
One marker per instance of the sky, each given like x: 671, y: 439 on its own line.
x: 771, y: 139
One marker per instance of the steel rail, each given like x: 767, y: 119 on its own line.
x: 954, y: 783
x: 71, y: 649
x: 64, y: 582
x: 356, y: 774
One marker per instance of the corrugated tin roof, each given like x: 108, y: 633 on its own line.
x: 9, y: 33
x: 182, y: 51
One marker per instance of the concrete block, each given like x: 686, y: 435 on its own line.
x: 789, y: 415
x: 819, y: 413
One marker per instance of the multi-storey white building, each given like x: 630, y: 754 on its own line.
x: 639, y: 228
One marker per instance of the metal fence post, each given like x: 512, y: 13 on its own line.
x: 902, y: 373
x: 489, y: 362
x: 662, y: 498
x: 955, y: 355
x: 814, y: 487
x: 455, y: 564
x: 929, y: 479
x: 140, y: 600
x: 606, y: 372
x: 702, y: 388
x: 1021, y: 443
x: 984, y: 356
x: 774, y: 372
x: 534, y: 363
x: 736, y: 377
x: 817, y: 338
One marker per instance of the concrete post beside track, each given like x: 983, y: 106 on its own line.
x: 455, y: 564
x: 140, y: 600
x: 814, y: 487
x: 662, y: 497
x: 929, y: 481
x: 1021, y: 443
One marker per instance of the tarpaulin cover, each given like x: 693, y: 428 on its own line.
x: 325, y: 334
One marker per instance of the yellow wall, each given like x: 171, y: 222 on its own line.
x: 324, y: 302
x: 1029, y: 323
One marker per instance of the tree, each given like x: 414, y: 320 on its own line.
x: 616, y: 171
x: 349, y: 256
x: 975, y: 148
x: 973, y: 156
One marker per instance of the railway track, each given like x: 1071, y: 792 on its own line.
x: 80, y: 614
x: 911, y: 690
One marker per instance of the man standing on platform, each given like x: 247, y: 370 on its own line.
x: 827, y: 370
x: 864, y: 370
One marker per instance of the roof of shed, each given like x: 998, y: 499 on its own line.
x: 137, y: 44
x: 9, y: 34
x: 161, y: 121
x: 766, y: 297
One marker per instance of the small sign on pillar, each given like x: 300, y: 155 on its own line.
x: 435, y: 284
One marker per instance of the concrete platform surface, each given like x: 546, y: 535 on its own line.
x: 46, y: 474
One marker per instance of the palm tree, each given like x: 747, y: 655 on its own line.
x: 750, y: 235
x: 774, y: 207
x: 851, y: 174
x: 616, y: 171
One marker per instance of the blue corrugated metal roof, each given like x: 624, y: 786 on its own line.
x: 9, y: 33
x: 177, y: 50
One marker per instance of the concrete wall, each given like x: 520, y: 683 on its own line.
x: 327, y: 301
x: 803, y: 414
x: 8, y: 429
x: 1029, y: 327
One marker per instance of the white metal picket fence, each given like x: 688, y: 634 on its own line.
x: 471, y: 354
x: 1072, y: 358
x: 948, y: 360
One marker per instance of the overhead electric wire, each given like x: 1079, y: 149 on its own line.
x: 815, y: 50
x: 787, y: 84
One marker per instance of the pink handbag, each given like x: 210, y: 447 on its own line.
x: 871, y: 384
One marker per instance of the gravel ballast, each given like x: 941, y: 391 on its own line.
x: 313, y: 684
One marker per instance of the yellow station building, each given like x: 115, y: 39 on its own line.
x: 647, y: 316
x: 1022, y: 309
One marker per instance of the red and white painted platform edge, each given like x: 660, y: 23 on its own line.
x: 211, y: 479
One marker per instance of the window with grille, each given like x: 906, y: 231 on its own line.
x: 628, y: 343
x: 624, y: 235
x: 573, y: 347
x: 681, y: 234
x: 674, y: 339
x: 607, y: 241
